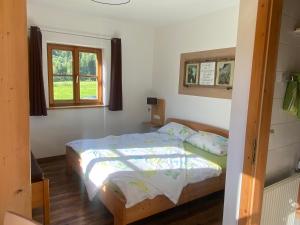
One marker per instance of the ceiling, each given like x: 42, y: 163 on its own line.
x: 153, y: 12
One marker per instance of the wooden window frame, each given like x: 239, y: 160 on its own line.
x: 76, y: 77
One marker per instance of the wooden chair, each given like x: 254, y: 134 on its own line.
x: 40, y: 190
x: 15, y: 219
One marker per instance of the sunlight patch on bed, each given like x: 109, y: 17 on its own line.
x: 141, y: 165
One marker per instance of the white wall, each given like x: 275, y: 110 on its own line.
x: 212, y: 31
x: 49, y: 134
x: 284, y: 144
x: 217, y: 30
x: 239, y: 109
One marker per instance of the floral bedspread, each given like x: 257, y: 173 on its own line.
x: 141, y: 165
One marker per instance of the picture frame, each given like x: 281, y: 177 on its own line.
x: 192, y: 74
x: 212, y: 91
x: 225, y: 73
x: 207, y: 73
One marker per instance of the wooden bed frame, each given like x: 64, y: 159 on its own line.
x: 115, y: 202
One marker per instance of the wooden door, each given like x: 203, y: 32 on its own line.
x: 14, y: 106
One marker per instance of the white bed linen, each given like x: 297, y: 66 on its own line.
x: 141, y: 165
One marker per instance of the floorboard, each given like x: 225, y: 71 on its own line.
x: 71, y: 206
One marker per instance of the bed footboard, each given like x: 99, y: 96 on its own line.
x: 112, y: 200
x: 115, y: 202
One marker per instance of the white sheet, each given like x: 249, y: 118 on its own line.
x: 141, y: 165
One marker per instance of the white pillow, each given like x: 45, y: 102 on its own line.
x: 209, y: 142
x: 177, y: 130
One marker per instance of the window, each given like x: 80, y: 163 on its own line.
x: 74, y: 75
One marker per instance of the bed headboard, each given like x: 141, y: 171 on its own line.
x: 200, y: 126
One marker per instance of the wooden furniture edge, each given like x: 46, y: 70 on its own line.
x: 200, y: 126
x: 115, y: 202
x: 40, y: 198
x: 161, y: 203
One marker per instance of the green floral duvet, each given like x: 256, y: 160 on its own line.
x: 142, y: 166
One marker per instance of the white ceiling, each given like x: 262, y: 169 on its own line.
x: 154, y: 12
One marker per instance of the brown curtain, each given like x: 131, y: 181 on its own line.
x: 36, y: 83
x: 116, y: 98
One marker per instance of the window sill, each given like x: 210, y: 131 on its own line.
x: 76, y: 107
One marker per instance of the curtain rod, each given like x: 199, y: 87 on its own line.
x: 74, y: 34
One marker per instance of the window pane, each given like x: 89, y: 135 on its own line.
x: 62, y: 62
x: 88, y: 88
x: 63, y: 87
x: 88, y: 63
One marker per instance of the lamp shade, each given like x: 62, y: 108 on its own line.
x: 151, y: 101
x: 112, y: 2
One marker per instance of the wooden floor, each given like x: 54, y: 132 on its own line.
x: 70, y: 204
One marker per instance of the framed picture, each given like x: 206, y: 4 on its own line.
x: 225, y: 71
x: 207, y: 73
x: 192, y: 74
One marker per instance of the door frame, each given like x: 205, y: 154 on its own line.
x: 15, y: 187
x: 259, y: 110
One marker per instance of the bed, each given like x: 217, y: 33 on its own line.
x: 128, y: 209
